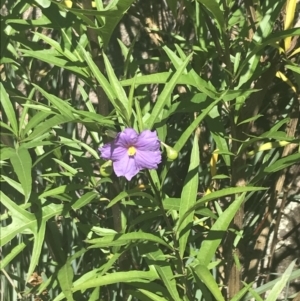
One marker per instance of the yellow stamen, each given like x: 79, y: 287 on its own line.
x: 131, y: 151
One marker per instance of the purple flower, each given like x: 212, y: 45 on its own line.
x: 132, y: 152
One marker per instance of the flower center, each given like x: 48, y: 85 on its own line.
x: 131, y: 151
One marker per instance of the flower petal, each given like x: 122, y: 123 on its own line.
x: 127, y: 138
x: 126, y: 167
x: 147, y: 155
x: 148, y: 141
x: 111, y: 151
x: 106, y: 151
x: 147, y: 159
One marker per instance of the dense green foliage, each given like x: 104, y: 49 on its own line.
x: 217, y: 79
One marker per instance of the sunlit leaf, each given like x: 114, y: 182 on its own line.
x: 188, y: 197
x: 22, y: 163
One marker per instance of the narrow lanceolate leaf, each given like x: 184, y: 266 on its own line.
x: 47, y: 125
x: 23, y: 220
x: 168, y: 89
x: 212, y: 241
x: 283, y: 163
x: 239, y: 295
x: 84, y: 200
x: 214, y: 7
x: 39, y: 230
x: 53, y: 57
x: 39, y: 236
x: 206, y: 277
x: 62, y: 50
x: 119, y: 277
x: 188, y: 197
x: 99, y: 76
x: 64, y: 108
x: 268, y: 286
x: 121, y: 99
x: 151, y: 295
x: 8, y: 109
x: 22, y: 163
x: 215, y: 195
x: 65, y: 276
x: 13, y: 253
x: 123, y: 239
x: 187, y: 133
x: 279, y: 286
x: 165, y: 272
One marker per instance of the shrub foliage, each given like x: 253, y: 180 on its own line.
x: 217, y: 80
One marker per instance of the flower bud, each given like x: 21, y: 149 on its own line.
x: 172, y: 154
x: 106, y: 169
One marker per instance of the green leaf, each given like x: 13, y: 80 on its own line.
x: 60, y: 190
x: 187, y: 133
x: 12, y: 254
x: 13, y: 184
x: 117, y: 277
x: 129, y: 193
x: 283, y: 163
x: 218, y: 132
x: 233, y: 94
x: 35, y: 120
x: 9, y: 109
x: 47, y: 125
x: 39, y: 235
x: 91, y: 116
x: 65, y: 166
x: 213, y: 240
x: 4, y: 125
x: 151, y: 295
x: 271, y: 284
x: 188, y: 197
x: 193, y: 78
x: 204, y: 274
x: 217, y: 194
x: 6, y: 152
x: 165, y: 94
x: 172, y: 203
x: 23, y: 220
x: 250, y: 119
x: 281, y: 283
x: 63, y: 51
x: 65, y: 276
x: 293, y: 68
x: 84, y: 200
x: 103, y: 82
x: 64, y: 108
x: 95, y: 294
x: 255, y: 295
x: 88, y: 275
x: 22, y: 164
x: 164, y: 271
x: 53, y: 57
x: 121, y: 97
x: 112, y: 19
x: 123, y: 239
x: 239, y: 295
x: 158, y: 78
x: 44, y: 3
x: 252, y: 59
x: 205, y: 293
x: 214, y: 7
